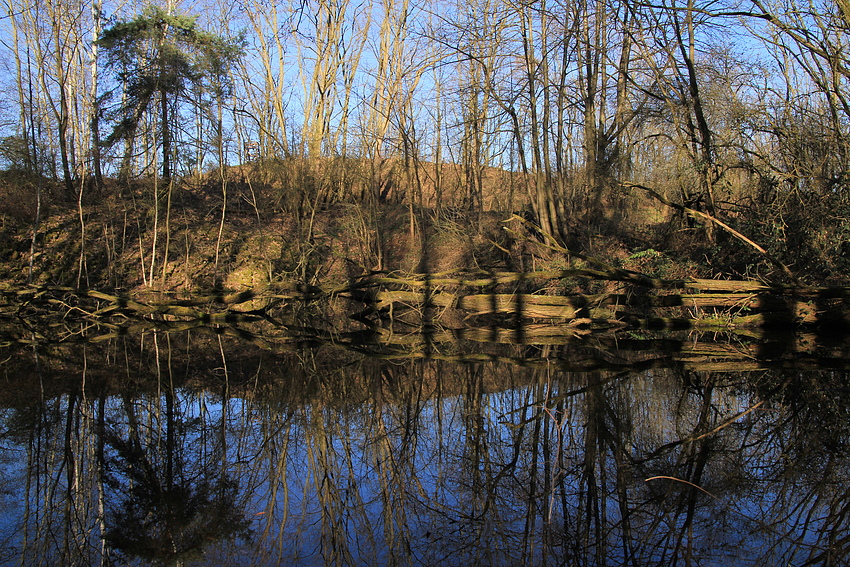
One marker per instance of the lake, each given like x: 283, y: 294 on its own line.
x: 271, y: 444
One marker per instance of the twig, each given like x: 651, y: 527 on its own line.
x: 704, y: 216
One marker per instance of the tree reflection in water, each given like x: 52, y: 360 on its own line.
x: 213, y: 452
x: 165, y: 506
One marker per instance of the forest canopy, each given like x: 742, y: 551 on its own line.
x: 738, y: 110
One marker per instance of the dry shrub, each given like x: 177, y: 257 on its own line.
x: 18, y: 196
x: 401, y: 249
x: 450, y: 247
x: 809, y: 231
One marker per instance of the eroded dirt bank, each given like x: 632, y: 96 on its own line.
x: 121, y: 245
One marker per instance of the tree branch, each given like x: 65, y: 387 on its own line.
x: 706, y: 217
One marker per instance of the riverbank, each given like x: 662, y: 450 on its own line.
x: 180, y: 238
x: 122, y: 240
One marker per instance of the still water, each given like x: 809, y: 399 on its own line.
x: 216, y: 446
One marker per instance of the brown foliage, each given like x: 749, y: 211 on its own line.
x: 18, y: 198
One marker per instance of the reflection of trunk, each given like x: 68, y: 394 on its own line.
x: 330, y: 494
x: 100, y: 463
x: 34, y: 460
x: 170, y: 418
x: 540, y: 424
x: 225, y: 401
x: 70, y: 480
x: 473, y: 422
x: 622, y: 461
x: 594, y: 439
x: 390, y: 463
x: 169, y: 438
x: 482, y: 488
x: 696, y: 456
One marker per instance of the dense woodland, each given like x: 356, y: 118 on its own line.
x: 294, y: 147
x: 162, y: 145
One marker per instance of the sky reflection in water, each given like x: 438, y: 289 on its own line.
x: 187, y: 450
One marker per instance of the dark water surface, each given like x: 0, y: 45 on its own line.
x: 222, y: 447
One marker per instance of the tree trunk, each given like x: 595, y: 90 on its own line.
x: 166, y: 138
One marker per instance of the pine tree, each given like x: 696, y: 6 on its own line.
x: 156, y: 56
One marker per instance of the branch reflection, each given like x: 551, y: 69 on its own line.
x: 194, y: 448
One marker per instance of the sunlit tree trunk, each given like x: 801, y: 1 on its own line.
x: 534, y: 71
x: 388, y: 90
x: 474, y: 116
x: 94, y: 104
x: 698, y: 127
x: 269, y: 104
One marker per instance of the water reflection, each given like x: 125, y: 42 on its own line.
x: 191, y: 447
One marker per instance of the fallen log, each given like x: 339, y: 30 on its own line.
x: 672, y: 304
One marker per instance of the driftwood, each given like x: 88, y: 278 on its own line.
x: 569, y: 329
x: 641, y: 302
x: 96, y: 304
